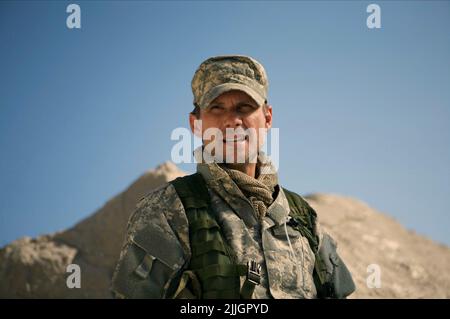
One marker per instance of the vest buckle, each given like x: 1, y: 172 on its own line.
x: 253, y: 272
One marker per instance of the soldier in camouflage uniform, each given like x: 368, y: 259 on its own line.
x: 245, y: 202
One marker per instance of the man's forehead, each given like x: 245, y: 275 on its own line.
x: 238, y: 96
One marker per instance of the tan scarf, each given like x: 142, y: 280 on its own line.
x: 259, y: 191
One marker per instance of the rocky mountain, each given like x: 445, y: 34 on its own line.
x: 408, y: 265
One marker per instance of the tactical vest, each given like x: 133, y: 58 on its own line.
x: 213, y: 272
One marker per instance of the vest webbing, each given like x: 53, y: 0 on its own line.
x: 213, y: 260
x: 303, y: 218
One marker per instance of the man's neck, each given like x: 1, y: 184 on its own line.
x: 246, y: 168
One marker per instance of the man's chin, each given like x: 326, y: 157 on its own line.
x: 240, y: 160
x: 236, y: 156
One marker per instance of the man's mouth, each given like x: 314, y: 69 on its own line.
x: 233, y: 139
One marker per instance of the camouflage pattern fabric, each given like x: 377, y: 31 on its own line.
x: 220, y: 74
x: 286, y: 273
x: 157, y: 251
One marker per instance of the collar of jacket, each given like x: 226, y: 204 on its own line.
x: 218, y: 180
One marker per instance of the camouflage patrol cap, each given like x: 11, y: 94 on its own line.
x: 221, y: 74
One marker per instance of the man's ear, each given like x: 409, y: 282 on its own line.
x: 268, y: 116
x: 195, y: 128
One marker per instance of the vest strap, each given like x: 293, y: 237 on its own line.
x: 203, y: 224
x: 227, y: 270
x: 252, y: 280
x: 203, y: 248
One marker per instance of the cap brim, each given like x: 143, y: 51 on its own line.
x: 222, y: 88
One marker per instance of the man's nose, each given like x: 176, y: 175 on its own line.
x: 232, y: 120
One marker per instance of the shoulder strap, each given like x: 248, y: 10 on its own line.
x: 304, y: 217
x: 331, y: 276
x: 192, y: 191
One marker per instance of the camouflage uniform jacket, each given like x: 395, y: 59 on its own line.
x: 157, y: 250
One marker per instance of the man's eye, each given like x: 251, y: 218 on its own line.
x: 215, y: 108
x: 245, y: 108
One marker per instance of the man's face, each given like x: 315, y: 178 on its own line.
x: 235, y: 110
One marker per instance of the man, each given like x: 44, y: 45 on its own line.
x: 230, y: 230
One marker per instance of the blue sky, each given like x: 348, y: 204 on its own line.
x: 362, y: 113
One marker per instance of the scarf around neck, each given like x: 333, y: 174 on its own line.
x: 259, y: 190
